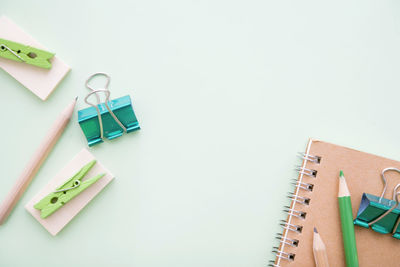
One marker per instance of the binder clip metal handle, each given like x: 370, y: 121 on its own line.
x: 395, y: 198
x: 107, y: 93
x: 98, y: 74
x: 379, y: 213
x: 385, y: 184
x: 110, y: 118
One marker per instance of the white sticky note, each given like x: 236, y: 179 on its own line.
x: 59, y: 219
x: 41, y: 82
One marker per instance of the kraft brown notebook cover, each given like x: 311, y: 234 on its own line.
x: 362, y: 172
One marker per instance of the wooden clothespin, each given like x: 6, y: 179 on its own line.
x: 40, y: 81
x: 70, y: 189
x: 24, y: 53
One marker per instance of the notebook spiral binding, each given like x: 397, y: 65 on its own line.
x: 287, y: 226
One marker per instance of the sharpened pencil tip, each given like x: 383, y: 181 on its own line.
x: 315, y: 230
x: 341, y: 173
x: 76, y: 98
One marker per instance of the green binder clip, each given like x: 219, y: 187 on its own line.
x: 379, y: 213
x: 109, y: 119
x: 70, y: 189
x: 24, y: 53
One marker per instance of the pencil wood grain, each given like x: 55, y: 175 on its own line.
x: 319, y: 249
x: 34, y: 164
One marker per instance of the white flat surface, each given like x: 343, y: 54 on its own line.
x: 226, y: 92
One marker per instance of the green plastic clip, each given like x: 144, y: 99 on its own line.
x: 109, y: 119
x: 70, y: 189
x: 381, y: 214
x: 24, y: 53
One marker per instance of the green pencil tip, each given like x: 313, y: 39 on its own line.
x: 341, y: 173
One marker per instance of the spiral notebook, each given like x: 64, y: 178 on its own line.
x: 314, y: 204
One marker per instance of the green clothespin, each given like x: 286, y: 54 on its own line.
x: 24, y: 53
x: 70, y: 189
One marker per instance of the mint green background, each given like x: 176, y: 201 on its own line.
x: 226, y: 93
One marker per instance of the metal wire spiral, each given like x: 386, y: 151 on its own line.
x: 291, y: 211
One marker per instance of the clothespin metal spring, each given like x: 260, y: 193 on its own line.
x: 4, y: 47
x: 76, y: 184
x: 25, y: 53
x: 64, y: 193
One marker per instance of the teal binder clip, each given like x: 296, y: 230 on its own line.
x: 24, y: 53
x: 70, y: 189
x: 379, y: 213
x: 109, y: 119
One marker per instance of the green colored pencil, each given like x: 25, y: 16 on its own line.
x: 346, y: 217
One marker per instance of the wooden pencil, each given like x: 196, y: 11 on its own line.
x: 319, y: 249
x: 33, y: 166
x: 346, y: 218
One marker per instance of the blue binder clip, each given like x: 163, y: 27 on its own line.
x: 109, y: 119
x: 379, y: 213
